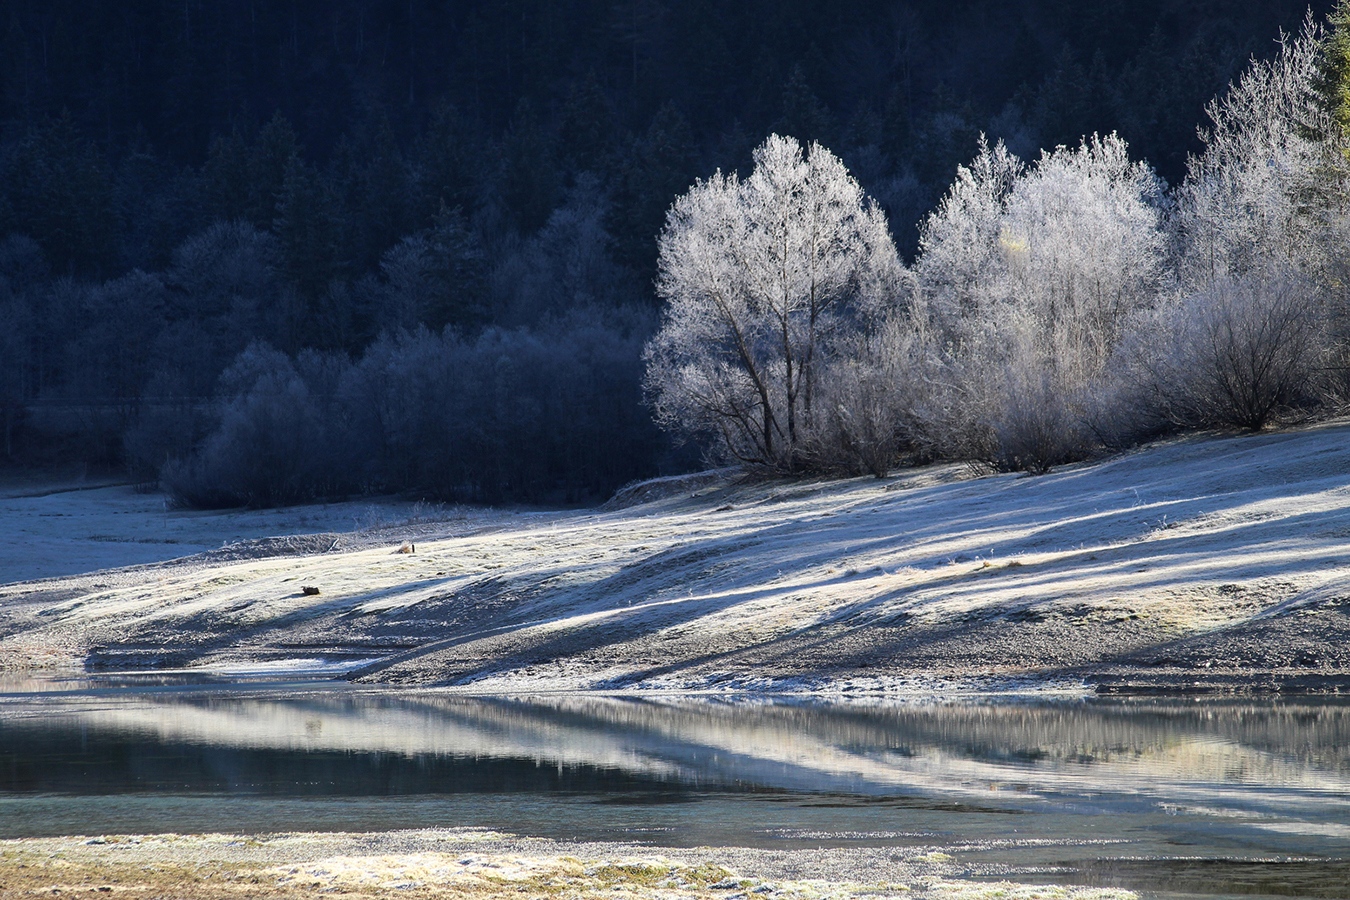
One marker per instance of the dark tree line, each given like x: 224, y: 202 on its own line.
x: 462, y: 200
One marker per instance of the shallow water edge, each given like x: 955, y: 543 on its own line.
x: 1233, y: 795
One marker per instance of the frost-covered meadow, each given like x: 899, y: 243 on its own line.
x: 1202, y: 563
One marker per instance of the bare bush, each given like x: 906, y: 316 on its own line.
x: 169, y: 424
x: 271, y: 446
x: 867, y: 400
x: 1036, y: 426
x: 553, y: 414
x: 1243, y: 352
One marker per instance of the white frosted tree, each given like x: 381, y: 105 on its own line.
x: 1246, y: 200
x: 1029, y: 276
x: 1262, y: 224
x: 762, y: 277
x: 1083, y: 241
x: 960, y: 267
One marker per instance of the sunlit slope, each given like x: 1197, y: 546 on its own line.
x: 1219, y: 561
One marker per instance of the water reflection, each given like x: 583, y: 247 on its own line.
x: 1202, y: 747
x: 1222, y: 779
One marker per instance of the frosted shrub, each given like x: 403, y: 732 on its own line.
x: 1034, y: 428
x: 272, y: 444
x: 401, y: 401
x: 868, y: 400
x: 522, y: 414
x: 1242, y: 352
x: 1262, y: 230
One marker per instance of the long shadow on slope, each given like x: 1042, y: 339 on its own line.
x: 1179, y: 558
x: 1052, y: 643
x: 657, y: 579
x: 516, y: 603
x: 1044, y: 514
x: 184, y: 641
x: 517, y: 644
x: 583, y: 620
x: 1046, y: 531
x: 1313, y: 637
x: 618, y: 625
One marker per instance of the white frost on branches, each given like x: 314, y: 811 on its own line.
x: 1054, y: 307
x: 1262, y: 230
x: 761, y: 277
x: 1243, y: 203
x: 1030, y: 275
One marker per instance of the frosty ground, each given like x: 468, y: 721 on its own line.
x: 481, y: 865
x: 1208, y: 563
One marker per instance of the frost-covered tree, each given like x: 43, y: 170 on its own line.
x: 1327, y: 201
x: 1243, y: 352
x: 434, y: 277
x: 761, y: 277
x: 960, y: 267
x: 267, y: 448
x: 1245, y: 203
x: 566, y: 265
x: 1082, y: 240
x: 1029, y: 275
x: 1262, y: 221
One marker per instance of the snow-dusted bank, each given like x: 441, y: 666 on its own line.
x: 1200, y: 564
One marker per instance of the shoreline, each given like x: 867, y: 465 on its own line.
x: 982, y: 796
x: 846, y: 690
x: 480, y: 864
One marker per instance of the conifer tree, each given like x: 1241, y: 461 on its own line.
x: 1333, y: 82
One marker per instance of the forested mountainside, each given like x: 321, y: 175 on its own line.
x: 430, y: 228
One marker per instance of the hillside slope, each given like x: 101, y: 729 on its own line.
x: 1206, y: 563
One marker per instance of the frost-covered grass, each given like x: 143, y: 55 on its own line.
x: 859, y: 586
x: 469, y: 865
x: 70, y: 529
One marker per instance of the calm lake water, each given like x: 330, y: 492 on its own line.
x: 1205, y: 797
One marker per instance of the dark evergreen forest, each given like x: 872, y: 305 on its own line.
x: 267, y: 252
